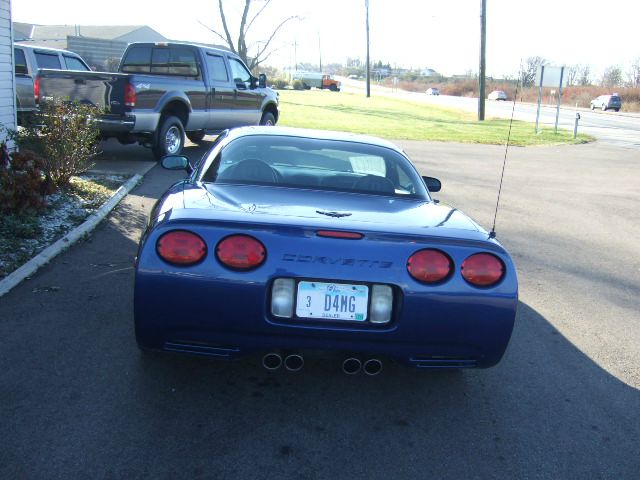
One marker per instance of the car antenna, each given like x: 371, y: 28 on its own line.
x: 492, y: 234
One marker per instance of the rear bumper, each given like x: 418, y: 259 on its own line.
x: 140, y: 122
x: 116, y: 123
x: 229, y: 321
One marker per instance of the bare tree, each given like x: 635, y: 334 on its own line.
x: 584, y: 76
x: 529, y: 70
x: 262, y: 50
x: 612, y: 76
x: 572, y: 72
x: 634, y: 74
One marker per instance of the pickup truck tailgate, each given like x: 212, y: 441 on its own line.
x: 103, y: 89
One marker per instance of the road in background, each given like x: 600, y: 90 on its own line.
x: 620, y: 129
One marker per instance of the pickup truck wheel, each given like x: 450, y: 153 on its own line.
x: 170, y: 139
x: 268, y: 119
x: 333, y: 87
x: 195, y: 137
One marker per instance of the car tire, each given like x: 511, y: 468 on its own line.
x: 196, y: 137
x: 170, y: 137
x: 333, y: 88
x: 604, y: 107
x: 268, y: 119
x: 593, y: 107
x: 617, y: 109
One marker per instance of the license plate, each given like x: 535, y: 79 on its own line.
x: 334, y: 301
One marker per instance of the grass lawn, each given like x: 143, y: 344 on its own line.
x: 400, y: 119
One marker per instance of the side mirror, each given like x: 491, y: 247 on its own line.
x: 433, y: 184
x: 176, y: 162
x: 262, y: 80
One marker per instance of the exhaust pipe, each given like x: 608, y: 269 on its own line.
x: 294, y: 362
x: 351, y: 365
x: 373, y: 366
x: 272, y: 361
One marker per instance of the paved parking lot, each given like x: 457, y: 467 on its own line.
x: 77, y: 400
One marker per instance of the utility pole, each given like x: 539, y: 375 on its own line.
x: 320, y: 52
x: 295, y: 53
x: 483, y: 59
x: 366, y: 6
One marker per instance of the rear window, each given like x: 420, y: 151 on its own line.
x: 48, y: 60
x: 161, y: 60
x: 74, y: 63
x: 217, y: 68
x: 138, y: 60
x: 20, y: 61
x: 318, y: 164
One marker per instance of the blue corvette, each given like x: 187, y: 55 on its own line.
x: 283, y: 241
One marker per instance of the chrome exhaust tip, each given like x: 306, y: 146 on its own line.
x: 272, y: 361
x: 373, y: 366
x: 294, y: 362
x: 351, y: 365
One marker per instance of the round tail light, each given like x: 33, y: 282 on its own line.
x: 429, y: 266
x: 180, y: 247
x: 241, y: 252
x: 482, y: 269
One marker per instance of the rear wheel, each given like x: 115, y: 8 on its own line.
x: 268, y: 119
x: 170, y: 137
x: 196, y: 137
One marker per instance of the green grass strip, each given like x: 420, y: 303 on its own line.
x: 405, y: 120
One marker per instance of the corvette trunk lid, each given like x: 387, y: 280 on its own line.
x: 325, y: 209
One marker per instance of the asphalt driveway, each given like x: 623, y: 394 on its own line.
x: 77, y: 400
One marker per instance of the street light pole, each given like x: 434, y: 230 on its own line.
x: 483, y: 60
x: 366, y: 5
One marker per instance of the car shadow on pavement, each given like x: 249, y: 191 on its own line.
x: 539, y: 411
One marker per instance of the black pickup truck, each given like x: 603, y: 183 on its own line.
x: 166, y: 91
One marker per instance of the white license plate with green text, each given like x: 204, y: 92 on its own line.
x: 335, y: 301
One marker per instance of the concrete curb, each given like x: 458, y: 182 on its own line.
x: 49, y: 253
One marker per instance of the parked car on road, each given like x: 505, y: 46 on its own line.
x: 28, y: 60
x: 606, y: 102
x: 497, y: 95
x: 165, y: 92
x: 286, y: 240
x: 433, y: 91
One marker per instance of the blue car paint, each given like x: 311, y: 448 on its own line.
x: 211, y: 310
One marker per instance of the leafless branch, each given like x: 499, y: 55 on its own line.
x: 213, y: 31
x: 226, y: 29
x: 266, y: 3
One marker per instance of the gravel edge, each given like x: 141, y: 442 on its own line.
x: 53, y: 250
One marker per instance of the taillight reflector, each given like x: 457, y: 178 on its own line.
x: 180, y: 247
x: 429, y: 266
x: 241, y: 252
x: 338, y: 234
x: 36, y: 90
x: 482, y: 269
x: 130, y: 95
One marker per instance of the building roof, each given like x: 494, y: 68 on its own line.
x: 61, y: 32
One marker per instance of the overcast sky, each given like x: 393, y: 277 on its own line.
x: 443, y: 35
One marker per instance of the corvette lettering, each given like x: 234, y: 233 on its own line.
x: 339, y: 261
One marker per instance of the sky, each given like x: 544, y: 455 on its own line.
x: 443, y: 35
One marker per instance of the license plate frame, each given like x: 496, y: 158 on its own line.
x: 332, y: 301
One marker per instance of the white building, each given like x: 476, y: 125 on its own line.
x: 7, y: 79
